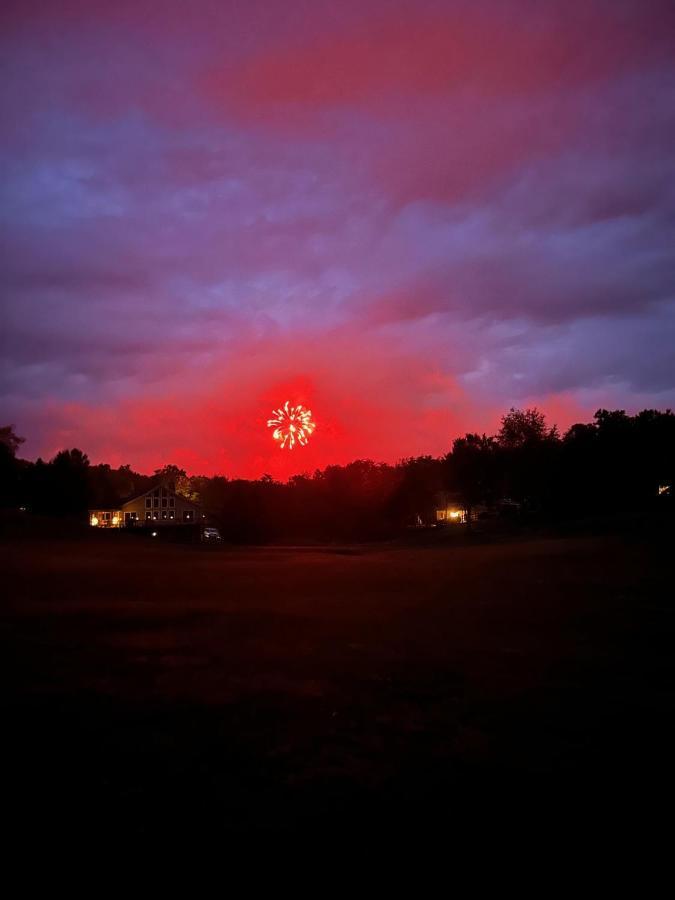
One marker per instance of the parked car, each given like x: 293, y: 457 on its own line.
x: 211, y: 535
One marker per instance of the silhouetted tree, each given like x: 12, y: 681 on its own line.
x: 67, y: 483
x: 416, y: 482
x: 529, y: 451
x: 472, y: 470
x: 522, y: 428
x: 10, y: 439
x: 10, y: 468
x: 615, y: 463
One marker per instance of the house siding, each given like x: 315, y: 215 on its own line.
x: 157, y: 507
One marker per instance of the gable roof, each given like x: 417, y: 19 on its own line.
x: 167, y: 492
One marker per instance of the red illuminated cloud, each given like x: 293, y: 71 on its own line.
x: 492, y: 49
x: 408, y: 216
x: 375, y: 402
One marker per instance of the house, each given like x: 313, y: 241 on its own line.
x: 449, y: 509
x: 161, y: 505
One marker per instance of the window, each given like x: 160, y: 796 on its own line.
x: 106, y: 516
x: 171, y: 514
x: 164, y: 501
x: 164, y: 514
x: 172, y: 501
x: 148, y: 502
x: 148, y: 516
x: 155, y: 501
x: 155, y: 515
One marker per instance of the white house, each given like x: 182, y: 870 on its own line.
x: 159, y: 506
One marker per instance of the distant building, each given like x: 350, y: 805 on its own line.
x: 159, y: 506
x: 449, y: 509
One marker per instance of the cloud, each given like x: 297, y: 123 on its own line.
x: 413, y: 214
x: 493, y: 49
x: 370, y: 400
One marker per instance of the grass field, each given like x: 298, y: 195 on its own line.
x: 180, y: 690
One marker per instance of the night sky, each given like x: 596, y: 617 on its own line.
x: 409, y: 216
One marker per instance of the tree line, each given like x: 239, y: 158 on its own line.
x: 615, y: 463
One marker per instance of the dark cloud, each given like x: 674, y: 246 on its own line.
x: 259, y: 196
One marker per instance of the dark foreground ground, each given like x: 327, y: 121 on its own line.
x: 176, y: 692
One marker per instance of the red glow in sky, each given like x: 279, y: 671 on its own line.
x: 407, y: 217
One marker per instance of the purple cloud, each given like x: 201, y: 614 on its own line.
x: 484, y: 188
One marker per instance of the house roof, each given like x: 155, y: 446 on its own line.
x: 167, y: 490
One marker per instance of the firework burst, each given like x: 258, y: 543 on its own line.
x: 292, y: 425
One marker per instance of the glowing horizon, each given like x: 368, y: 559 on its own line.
x: 410, y: 217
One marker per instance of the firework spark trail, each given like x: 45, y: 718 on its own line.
x: 292, y: 425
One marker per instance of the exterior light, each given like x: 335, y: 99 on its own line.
x: 94, y: 520
x: 455, y: 514
x: 115, y: 520
x: 154, y: 534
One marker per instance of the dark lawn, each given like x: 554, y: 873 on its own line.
x: 173, y: 691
